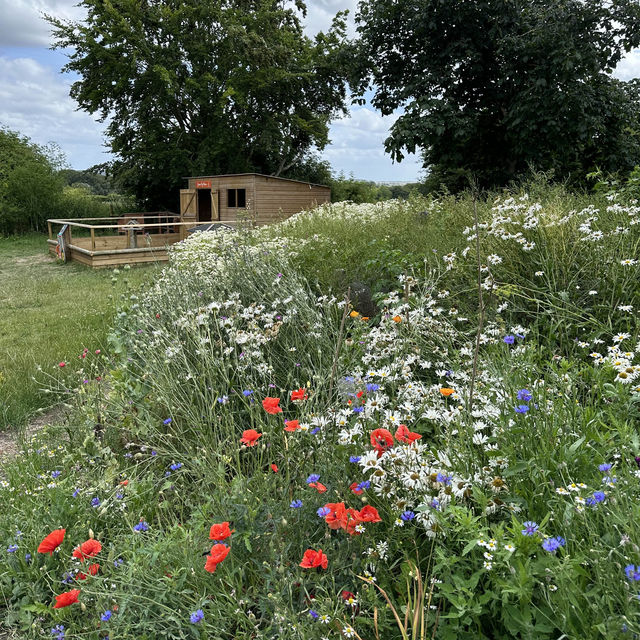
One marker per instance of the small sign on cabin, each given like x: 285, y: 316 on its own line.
x: 203, y: 184
x: 61, y: 246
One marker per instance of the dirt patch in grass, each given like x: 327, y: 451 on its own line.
x: 11, y: 441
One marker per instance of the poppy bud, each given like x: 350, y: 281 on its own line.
x: 284, y: 522
x: 90, y: 534
x: 83, y: 606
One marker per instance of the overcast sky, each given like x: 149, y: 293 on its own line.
x: 34, y: 95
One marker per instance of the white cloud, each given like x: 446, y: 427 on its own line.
x: 34, y: 100
x: 22, y: 23
x: 629, y: 66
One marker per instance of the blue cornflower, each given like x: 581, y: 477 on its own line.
x: 141, y: 526
x: 435, y: 503
x: 106, y: 616
x: 520, y: 336
x: 524, y: 395
x: 167, y: 421
x: 314, y: 431
x: 553, y: 544
x: 76, y: 493
x: 95, y: 502
x: 175, y: 466
x: 509, y: 339
x: 633, y: 573
x: 314, y: 614
x: 12, y: 548
x: 590, y: 501
x: 323, y: 512
x: 443, y: 477
x: 605, y: 467
x: 349, y: 379
x: 522, y: 408
x: 530, y: 528
x: 358, y: 410
x: 18, y: 534
x: 196, y: 616
x: 27, y: 558
x: 372, y: 388
x: 296, y: 504
x: 58, y: 632
x: 119, y: 495
x: 68, y: 577
x: 154, y: 453
x: 56, y: 474
x: 609, y: 480
x: 407, y: 516
x: 365, y: 484
x: 354, y: 458
x: 247, y: 392
x: 314, y: 477
x: 599, y: 496
x: 223, y: 399
x: 118, y: 562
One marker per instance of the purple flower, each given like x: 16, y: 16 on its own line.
x: 323, y: 512
x: 522, y: 408
x: 605, y: 467
x: 314, y: 477
x: 365, y: 484
x: 167, y: 421
x: 196, y: 616
x: 407, y: 516
x: 354, y: 458
x: 175, y: 466
x: 314, y: 614
x: 530, y: 528
x: 56, y: 474
x: 509, y: 339
x: 358, y: 410
x: 76, y: 493
x: 58, y: 632
x: 12, y: 548
x: 27, y: 558
x: 524, y: 395
x: 372, y: 388
x: 633, y: 573
x: 247, y: 392
x: 296, y: 504
x: 553, y: 544
x: 106, y: 616
x: 314, y: 431
x: 141, y: 526
x: 95, y: 502
x: 442, y: 477
x: 599, y: 496
x: 223, y: 399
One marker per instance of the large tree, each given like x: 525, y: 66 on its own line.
x: 492, y: 87
x: 201, y: 87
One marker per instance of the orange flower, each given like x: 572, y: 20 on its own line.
x: 364, y: 318
x: 446, y: 392
x: 291, y: 425
x: 381, y: 440
x: 300, y: 394
x: 354, y: 314
x: 52, y: 541
x: 404, y: 435
x: 250, y: 437
x: 397, y: 319
x: 217, y: 554
x: 220, y: 531
x: 87, y: 549
x: 271, y: 405
x: 318, y: 486
x: 369, y: 514
x: 313, y: 559
x: 67, y: 598
x: 274, y: 468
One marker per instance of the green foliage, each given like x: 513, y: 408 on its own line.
x: 492, y: 88
x: 204, y: 88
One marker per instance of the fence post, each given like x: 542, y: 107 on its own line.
x: 93, y: 239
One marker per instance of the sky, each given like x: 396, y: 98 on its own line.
x: 34, y: 95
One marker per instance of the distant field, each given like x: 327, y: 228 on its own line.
x: 50, y: 312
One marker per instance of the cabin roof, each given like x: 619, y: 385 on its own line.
x: 263, y: 175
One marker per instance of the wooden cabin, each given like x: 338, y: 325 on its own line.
x: 253, y: 197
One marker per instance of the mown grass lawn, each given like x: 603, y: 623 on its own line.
x: 50, y: 312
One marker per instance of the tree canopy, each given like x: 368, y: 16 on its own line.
x: 204, y: 87
x: 493, y: 87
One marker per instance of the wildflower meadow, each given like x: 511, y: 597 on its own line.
x: 256, y: 457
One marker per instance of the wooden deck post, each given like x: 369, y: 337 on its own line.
x: 93, y: 239
x: 50, y: 231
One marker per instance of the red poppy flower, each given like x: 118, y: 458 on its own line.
x: 220, y: 531
x: 271, y: 405
x: 124, y: 483
x: 217, y: 554
x: 250, y: 437
x: 52, y: 541
x: 359, y: 394
x: 62, y: 364
x: 381, y: 440
x: 318, y: 486
x: 369, y: 514
x: 92, y: 569
x: 313, y: 559
x: 352, y: 521
x: 291, y: 425
x: 347, y: 595
x: 87, y: 549
x: 67, y: 598
x: 404, y: 435
x: 354, y: 488
x: 300, y: 394
x: 274, y: 468
x: 337, y: 516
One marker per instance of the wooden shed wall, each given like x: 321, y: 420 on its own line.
x: 268, y: 199
x: 279, y: 199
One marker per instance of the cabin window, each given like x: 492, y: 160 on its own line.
x: 236, y: 198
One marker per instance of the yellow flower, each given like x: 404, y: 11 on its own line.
x: 354, y: 314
